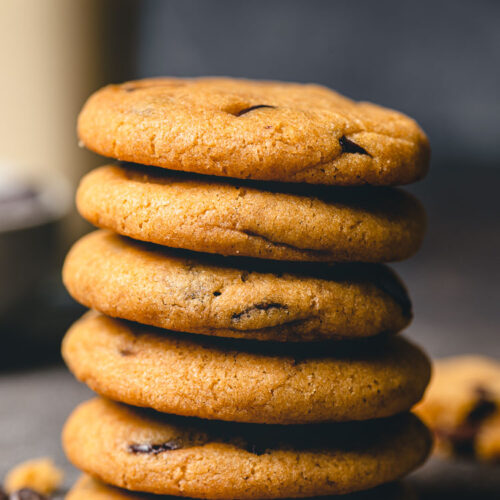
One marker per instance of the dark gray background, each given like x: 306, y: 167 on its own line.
x: 437, y: 60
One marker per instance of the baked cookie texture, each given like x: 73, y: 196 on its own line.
x: 88, y: 488
x: 462, y: 406
x: 285, y: 132
x: 264, y: 220
x: 243, y: 339
x: 239, y: 381
x: 211, y: 295
x: 168, y: 455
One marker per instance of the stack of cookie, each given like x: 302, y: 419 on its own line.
x: 243, y: 333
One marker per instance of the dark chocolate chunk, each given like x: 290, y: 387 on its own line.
x: 463, y: 437
x: 126, y: 352
x: 351, y: 147
x: 484, y: 407
x: 26, y: 494
x: 251, y: 108
x: 262, y: 306
x: 216, y: 294
x: 154, y: 449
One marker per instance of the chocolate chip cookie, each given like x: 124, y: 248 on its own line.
x: 264, y: 220
x: 260, y: 130
x: 88, y: 488
x: 144, y: 451
x: 245, y: 381
x: 462, y: 406
x: 212, y: 295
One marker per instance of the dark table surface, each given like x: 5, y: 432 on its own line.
x: 453, y: 282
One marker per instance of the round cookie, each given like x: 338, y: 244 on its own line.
x: 244, y: 218
x: 258, y: 382
x: 87, y: 488
x: 462, y: 406
x: 254, y: 130
x: 164, y: 454
x: 213, y: 295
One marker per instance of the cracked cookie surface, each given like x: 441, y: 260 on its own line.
x: 208, y: 459
x: 264, y: 220
x: 245, y: 381
x: 242, y: 298
x: 462, y: 406
x: 87, y: 488
x: 254, y: 130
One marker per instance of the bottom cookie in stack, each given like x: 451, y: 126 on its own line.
x: 146, y: 451
x: 88, y: 488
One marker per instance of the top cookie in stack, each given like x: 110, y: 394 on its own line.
x: 254, y: 130
x: 226, y: 183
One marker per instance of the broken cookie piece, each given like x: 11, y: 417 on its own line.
x: 462, y: 406
x: 33, y: 479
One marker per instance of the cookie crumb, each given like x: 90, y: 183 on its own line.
x: 40, y: 475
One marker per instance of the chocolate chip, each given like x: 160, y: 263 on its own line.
x: 262, y: 306
x: 26, y: 494
x: 462, y: 438
x: 483, y: 408
x: 126, y: 352
x: 351, y: 147
x: 251, y: 108
x: 154, y: 449
x: 216, y: 294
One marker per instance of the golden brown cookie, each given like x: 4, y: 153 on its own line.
x: 87, y: 488
x: 254, y: 130
x: 208, y: 294
x: 40, y: 476
x: 144, y: 451
x: 245, y: 381
x: 263, y: 220
x: 462, y: 406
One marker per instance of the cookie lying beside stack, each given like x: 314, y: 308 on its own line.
x: 462, y: 407
x: 309, y: 392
